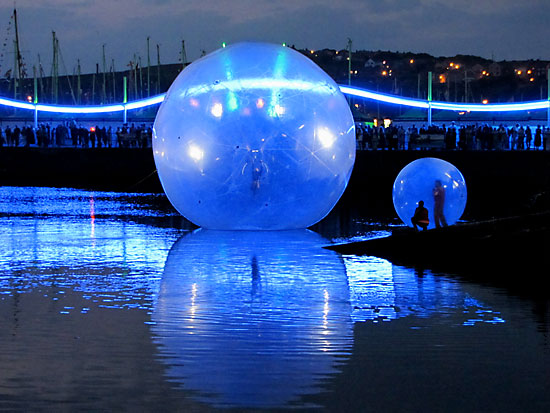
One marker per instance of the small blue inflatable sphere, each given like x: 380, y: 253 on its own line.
x: 437, y: 183
x: 254, y: 136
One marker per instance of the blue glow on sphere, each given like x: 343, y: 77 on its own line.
x: 254, y: 136
x: 417, y: 182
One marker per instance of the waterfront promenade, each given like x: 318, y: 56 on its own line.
x: 397, y: 136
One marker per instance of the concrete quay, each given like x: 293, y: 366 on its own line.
x: 499, y: 183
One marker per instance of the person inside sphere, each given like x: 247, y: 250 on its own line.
x: 439, y: 202
x: 420, y: 217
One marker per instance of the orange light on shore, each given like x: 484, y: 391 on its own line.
x: 485, y: 101
x: 92, y: 129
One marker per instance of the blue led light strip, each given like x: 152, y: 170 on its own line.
x: 119, y: 107
x: 459, y: 107
x: 348, y: 90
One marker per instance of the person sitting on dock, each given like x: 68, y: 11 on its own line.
x: 420, y: 217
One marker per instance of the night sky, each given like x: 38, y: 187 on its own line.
x: 499, y: 29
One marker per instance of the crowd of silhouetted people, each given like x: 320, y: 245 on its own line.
x: 394, y: 137
x: 67, y: 134
x: 453, y: 137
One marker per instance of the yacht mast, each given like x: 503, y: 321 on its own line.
x: 18, y: 72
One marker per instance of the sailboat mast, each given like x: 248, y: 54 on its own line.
x: 104, y: 89
x: 55, y: 69
x: 148, y: 69
x: 183, y: 55
x: 18, y: 72
x: 15, y: 70
x: 114, y: 79
x: 158, y: 69
x: 78, y: 85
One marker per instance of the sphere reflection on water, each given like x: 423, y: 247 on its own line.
x: 252, y: 318
x: 254, y: 136
x: 430, y: 179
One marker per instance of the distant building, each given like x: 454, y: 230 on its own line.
x: 371, y: 63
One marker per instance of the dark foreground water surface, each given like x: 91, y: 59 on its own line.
x: 111, y: 301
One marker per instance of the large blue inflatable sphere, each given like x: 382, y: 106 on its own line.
x: 254, y: 136
x: 437, y: 183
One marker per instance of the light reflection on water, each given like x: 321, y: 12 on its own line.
x: 77, y: 240
x: 240, y: 313
x: 253, y: 318
x: 107, y: 302
x: 381, y: 291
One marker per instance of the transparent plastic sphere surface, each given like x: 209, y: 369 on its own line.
x: 437, y: 183
x: 254, y: 136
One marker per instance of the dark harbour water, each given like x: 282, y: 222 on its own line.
x: 112, y: 302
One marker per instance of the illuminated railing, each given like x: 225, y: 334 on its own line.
x: 348, y: 90
x: 457, y: 107
x: 118, y: 107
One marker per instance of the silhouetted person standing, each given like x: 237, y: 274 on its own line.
x: 16, y: 135
x: 9, y: 136
x: 538, y: 137
x: 439, y: 203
